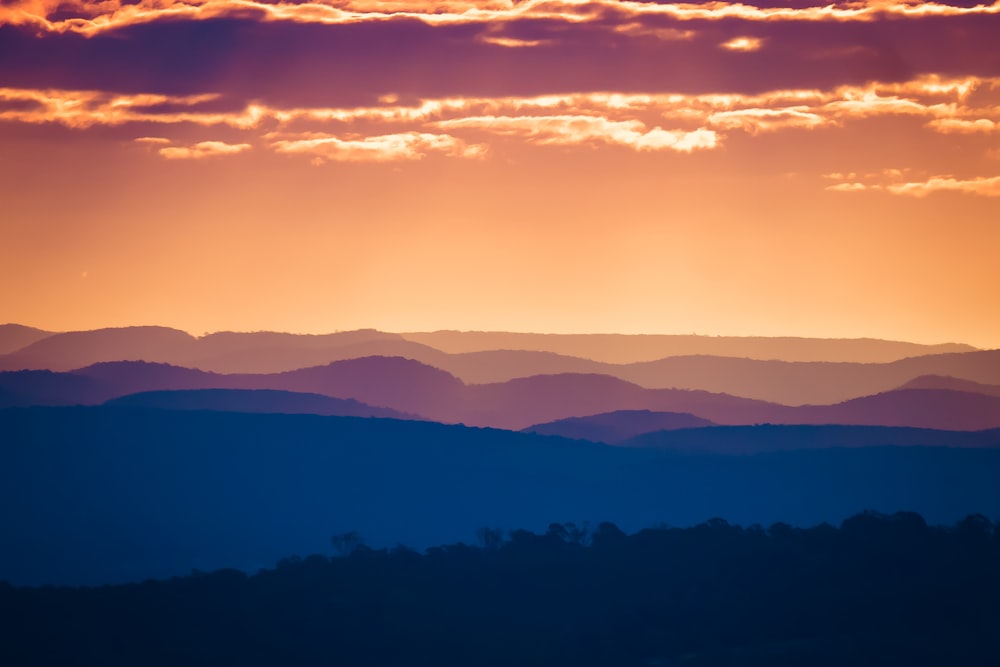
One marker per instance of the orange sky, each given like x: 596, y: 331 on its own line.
x: 614, y: 167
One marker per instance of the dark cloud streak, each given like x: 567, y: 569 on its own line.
x: 283, y: 63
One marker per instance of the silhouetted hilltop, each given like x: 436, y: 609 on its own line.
x: 100, y: 494
x: 922, y: 408
x: 15, y: 336
x: 221, y: 352
x: 879, y: 590
x: 476, y: 357
x: 283, y: 358
x: 494, y: 366
x: 254, y: 400
x: 413, y: 388
x: 787, y: 437
x: 23, y: 388
x: 524, y: 402
x: 616, y: 427
x: 953, y: 384
x: 394, y: 382
x: 66, y: 351
x: 129, y: 377
x: 804, y: 383
x: 633, y: 348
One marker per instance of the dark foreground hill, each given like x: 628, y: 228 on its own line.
x: 616, y: 427
x: 101, y: 494
x: 880, y: 590
x: 788, y: 437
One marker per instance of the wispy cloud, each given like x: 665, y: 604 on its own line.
x: 964, y: 125
x: 86, y: 108
x: 202, y: 149
x: 745, y: 44
x: 572, y: 130
x: 899, y: 182
x: 457, y: 126
x: 95, y: 17
x: 381, y: 148
x: 984, y: 186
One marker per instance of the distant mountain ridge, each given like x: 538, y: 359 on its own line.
x: 951, y: 383
x: 24, y: 348
x: 635, y: 348
x: 619, y: 426
x: 410, y: 387
x: 254, y: 400
x: 13, y: 337
x: 786, y: 382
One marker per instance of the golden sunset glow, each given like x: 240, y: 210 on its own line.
x: 569, y: 165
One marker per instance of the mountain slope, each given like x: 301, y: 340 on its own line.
x: 110, y: 494
x: 253, y: 400
x: 625, y: 348
x: 15, y: 336
x: 617, y: 427
x: 413, y: 388
x: 66, y: 351
x: 953, y: 384
x: 774, y: 438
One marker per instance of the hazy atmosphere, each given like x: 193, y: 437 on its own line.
x: 569, y: 166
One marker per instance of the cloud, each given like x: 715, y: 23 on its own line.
x: 91, y: 18
x: 745, y: 44
x: 852, y: 187
x: 382, y: 148
x: 511, y: 42
x: 666, y: 34
x: 394, y: 130
x: 767, y: 120
x: 963, y: 126
x: 889, y: 180
x: 983, y: 185
x: 203, y: 149
x: 82, y: 109
x: 572, y: 130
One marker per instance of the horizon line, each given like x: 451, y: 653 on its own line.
x: 207, y: 333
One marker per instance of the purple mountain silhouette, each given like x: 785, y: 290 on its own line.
x: 616, y: 427
x: 226, y: 351
x: 22, y: 388
x: 414, y: 388
x: 66, y: 351
x: 129, y: 377
x: 291, y: 355
x: 394, y: 382
x: 954, y: 384
x: 15, y: 336
x: 921, y: 408
x: 476, y: 357
x: 254, y: 400
x: 800, y: 383
x: 625, y: 349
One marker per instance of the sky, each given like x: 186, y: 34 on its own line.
x: 780, y: 168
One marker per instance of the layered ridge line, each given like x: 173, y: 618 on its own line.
x: 409, y: 387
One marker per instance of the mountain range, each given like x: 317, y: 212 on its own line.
x: 145, y: 451
x: 407, y: 386
x: 774, y: 380
x: 110, y: 493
